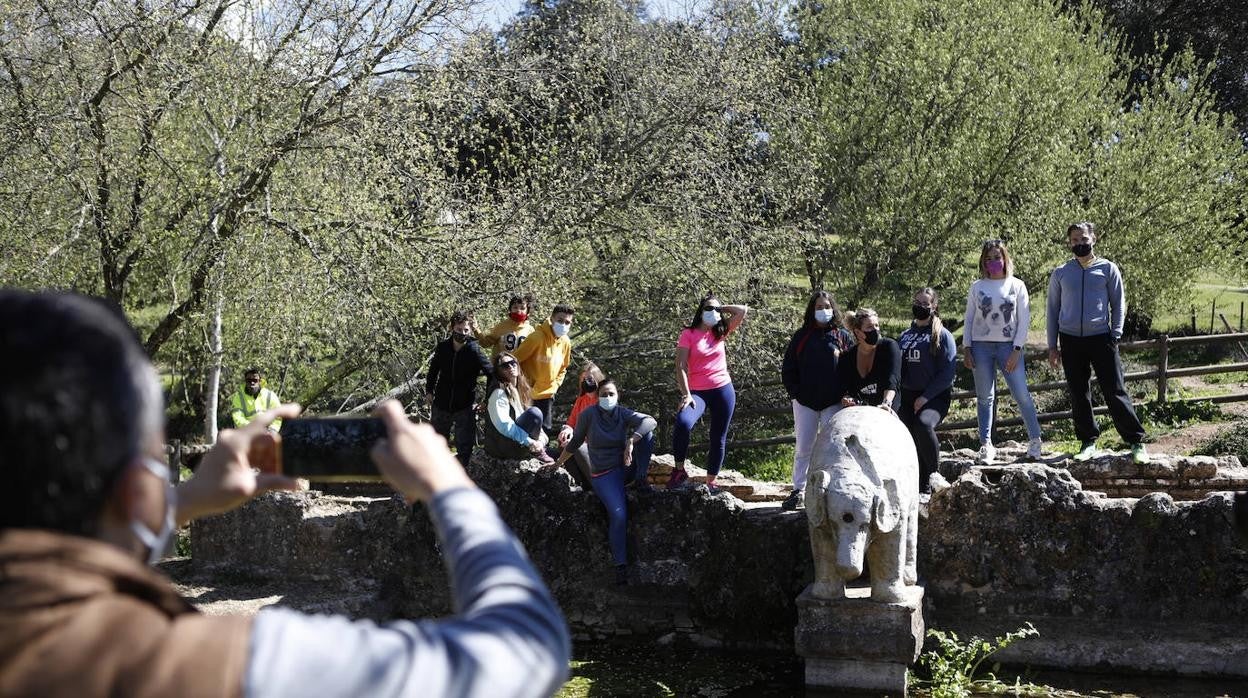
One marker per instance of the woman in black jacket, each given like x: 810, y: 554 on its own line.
x: 870, y: 372
x: 809, y: 375
x: 451, y: 384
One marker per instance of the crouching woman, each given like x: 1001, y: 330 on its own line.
x: 515, y: 431
x: 620, y: 441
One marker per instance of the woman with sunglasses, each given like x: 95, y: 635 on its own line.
x: 620, y: 441
x: 704, y: 384
x: 998, y: 314
x: 517, y: 425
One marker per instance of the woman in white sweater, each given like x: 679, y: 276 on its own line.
x: 998, y: 313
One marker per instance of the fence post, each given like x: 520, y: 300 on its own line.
x: 1241, y: 316
x: 1193, y: 319
x: 1213, y: 310
x: 1163, y: 366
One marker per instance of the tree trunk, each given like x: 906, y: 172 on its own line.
x: 213, y: 387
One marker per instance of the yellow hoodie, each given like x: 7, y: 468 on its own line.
x: 544, y: 358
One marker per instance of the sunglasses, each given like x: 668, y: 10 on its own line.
x: 993, y: 243
x: 507, y: 364
x: 709, y: 308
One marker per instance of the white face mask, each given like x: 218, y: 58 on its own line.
x: 608, y: 402
x: 710, y: 317
x: 560, y: 328
x: 158, y: 541
x: 823, y: 315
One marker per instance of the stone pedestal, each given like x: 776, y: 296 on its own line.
x: 856, y: 644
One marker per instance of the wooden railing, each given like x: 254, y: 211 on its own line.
x: 1162, y: 374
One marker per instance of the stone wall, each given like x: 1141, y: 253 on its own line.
x: 1148, y: 584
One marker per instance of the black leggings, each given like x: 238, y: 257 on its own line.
x: 922, y: 428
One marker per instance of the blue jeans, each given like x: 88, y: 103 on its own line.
x: 721, y: 401
x: 609, y: 487
x: 988, y: 357
x: 530, y: 421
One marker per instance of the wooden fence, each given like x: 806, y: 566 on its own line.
x: 1162, y: 375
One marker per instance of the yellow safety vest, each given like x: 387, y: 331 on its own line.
x: 243, y: 407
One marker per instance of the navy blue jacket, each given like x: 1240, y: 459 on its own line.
x: 809, y: 366
x: 924, y: 370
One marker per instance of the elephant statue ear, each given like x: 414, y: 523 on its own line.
x: 887, y: 512
x: 816, y: 497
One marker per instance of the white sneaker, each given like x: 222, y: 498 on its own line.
x: 987, y: 454
x: 1035, y: 449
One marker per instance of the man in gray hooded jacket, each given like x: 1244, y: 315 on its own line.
x: 1086, y: 308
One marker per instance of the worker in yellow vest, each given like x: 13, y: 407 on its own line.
x: 253, y: 398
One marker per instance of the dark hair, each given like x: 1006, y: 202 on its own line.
x: 78, y: 398
x: 720, y: 329
x: 605, y: 382
x: 808, y: 320
x: 463, y: 316
x: 562, y: 308
x: 252, y: 370
x: 527, y: 299
x: 1082, y: 226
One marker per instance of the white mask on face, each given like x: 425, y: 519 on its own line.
x: 823, y: 315
x: 710, y: 317
x: 608, y: 402
x: 560, y: 328
x: 158, y: 541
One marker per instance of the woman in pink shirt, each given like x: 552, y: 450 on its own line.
x: 704, y: 383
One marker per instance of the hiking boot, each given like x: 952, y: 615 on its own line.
x: 1138, y: 454
x: 1087, y: 451
x: 987, y: 454
x: 678, y: 480
x: 793, y: 501
x: 1035, y: 449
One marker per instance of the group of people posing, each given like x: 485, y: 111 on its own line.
x: 833, y: 360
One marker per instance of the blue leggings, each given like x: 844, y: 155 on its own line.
x: 721, y: 401
x: 609, y: 487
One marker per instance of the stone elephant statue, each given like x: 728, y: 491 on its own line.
x: 862, y: 502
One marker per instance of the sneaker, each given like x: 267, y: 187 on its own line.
x: 796, y: 498
x: 713, y: 488
x: 1138, y: 454
x: 544, y: 458
x: 678, y: 479
x: 1035, y: 449
x: 987, y: 454
x: 1087, y: 451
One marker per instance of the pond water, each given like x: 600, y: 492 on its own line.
x: 619, y: 669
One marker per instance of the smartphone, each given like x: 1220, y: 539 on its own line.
x: 320, y: 449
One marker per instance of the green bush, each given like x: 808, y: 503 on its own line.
x: 1231, y: 441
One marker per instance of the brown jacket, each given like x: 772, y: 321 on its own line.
x: 79, y: 617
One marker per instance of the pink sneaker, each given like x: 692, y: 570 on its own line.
x: 678, y: 479
x: 544, y: 458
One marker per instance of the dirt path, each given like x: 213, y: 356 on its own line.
x: 1184, y: 440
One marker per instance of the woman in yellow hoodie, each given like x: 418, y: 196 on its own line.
x: 545, y: 357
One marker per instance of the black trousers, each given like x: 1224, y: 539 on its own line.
x: 460, y: 425
x: 922, y: 428
x: 1081, y: 356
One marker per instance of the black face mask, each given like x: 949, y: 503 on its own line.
x: 589, y: 385
x: 461, y: 337
x: 871, y: 337
x: 920, y: 312
x: 1083, y: 249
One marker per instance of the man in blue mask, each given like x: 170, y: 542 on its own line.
x: 87, y: 502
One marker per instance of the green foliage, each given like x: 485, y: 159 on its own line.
x: 769, y: 464
x: 1178, y: 414
x: 953, y: 666
x: 1230, y: 441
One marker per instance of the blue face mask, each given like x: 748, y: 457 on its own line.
x: 608, y: 402
x: 824, y: 316
x: 157, y: 541
x: 710, y: 317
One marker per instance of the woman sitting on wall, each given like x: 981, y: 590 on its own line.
x: 620, y: 443
x: 517, y: 425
